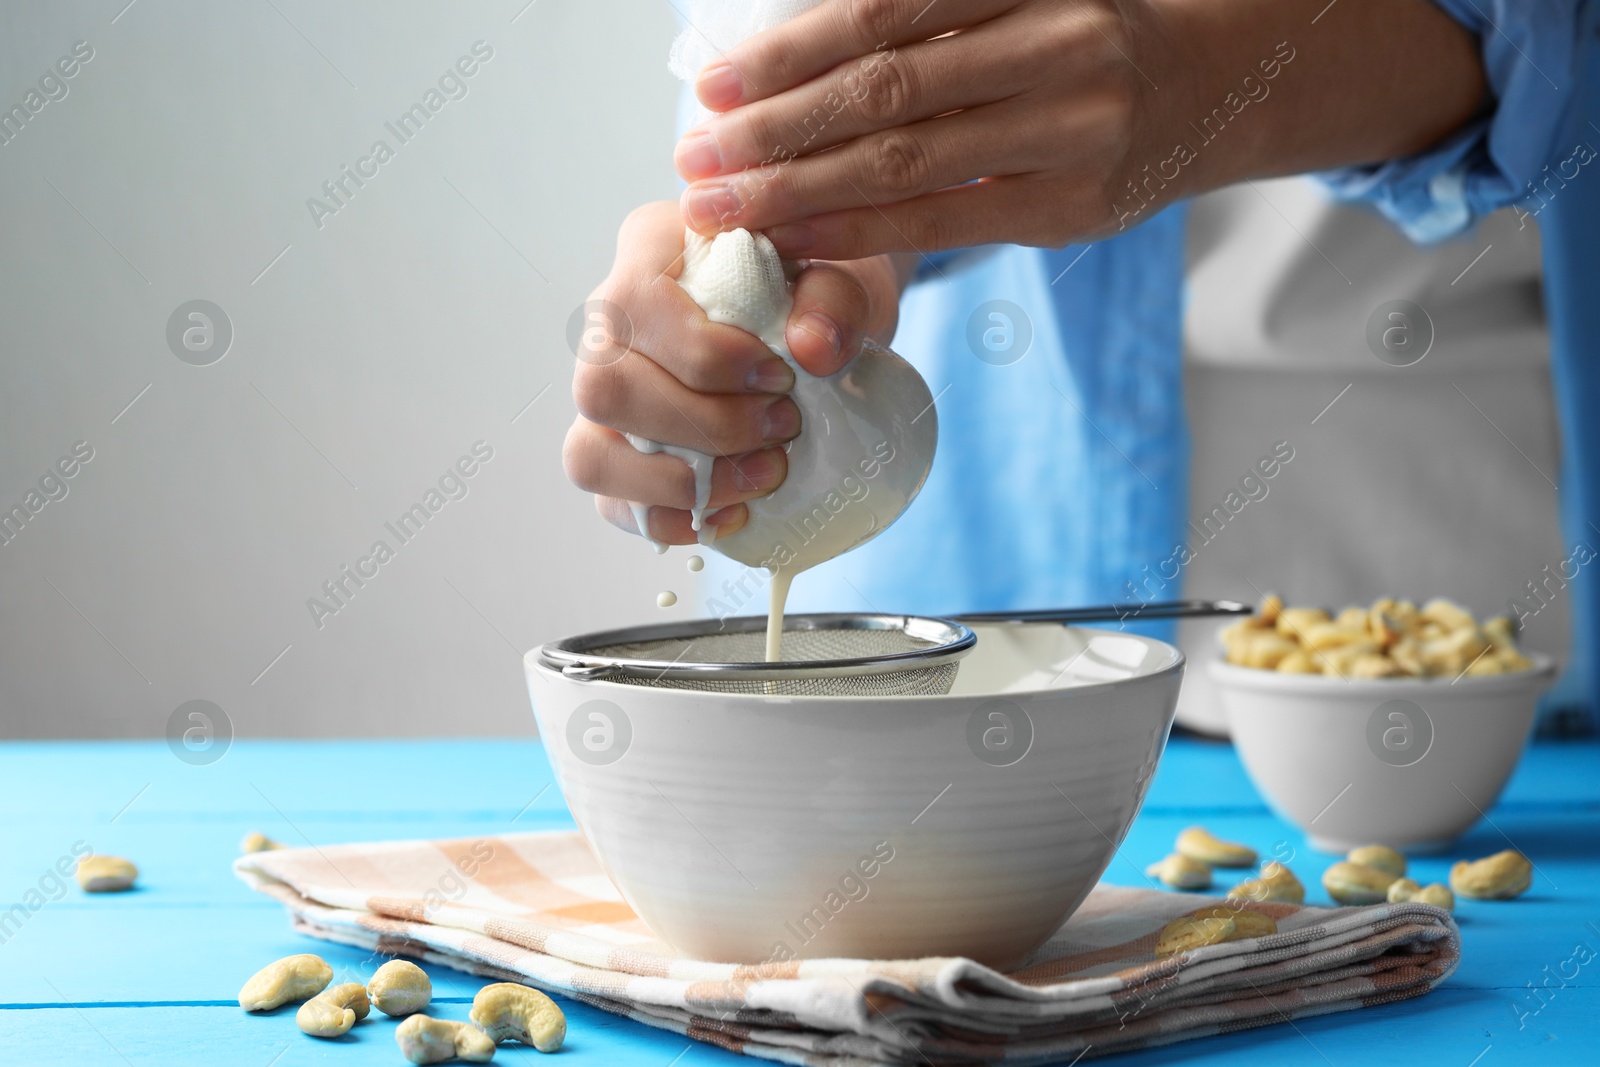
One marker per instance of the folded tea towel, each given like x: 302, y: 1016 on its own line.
x: 537, y: 908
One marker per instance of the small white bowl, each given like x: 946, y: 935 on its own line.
x: 747, y: 829
x: 1405, y: 762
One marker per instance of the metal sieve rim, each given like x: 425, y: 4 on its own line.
x: 572, y: 656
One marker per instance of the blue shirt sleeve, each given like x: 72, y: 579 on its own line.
x: 1530, y: 55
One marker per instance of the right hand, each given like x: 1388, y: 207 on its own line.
x: 684, y: 380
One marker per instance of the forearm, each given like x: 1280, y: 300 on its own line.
x: 1368, y: 80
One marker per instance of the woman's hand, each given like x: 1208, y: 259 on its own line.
x: 866, y: 126
x: 651, y: 364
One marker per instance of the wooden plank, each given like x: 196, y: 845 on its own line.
x: 169, y: 958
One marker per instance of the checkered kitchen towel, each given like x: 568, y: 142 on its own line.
x: 537, y: 908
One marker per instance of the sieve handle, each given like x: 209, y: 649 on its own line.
x: 1168, y: 609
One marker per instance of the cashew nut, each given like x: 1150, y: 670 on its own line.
x: 507, y: 1011
x: 1389, y: 640
x: 1297, y: 662
x: 1405, y: 889
x: 1401, y: 890
x: 1276, y: 883
x: 1187, y: 933
x: 1499, y: 877
x: 1380, y: 858
x: 1437, y: 895
x: 1448, y: 615
x: 1212, y: 926
x: 1353, y: 883
x: 291, y: 978
x: 427, y: 1040
x: 1293, y: 622
x: 1200, y: 844
x: 334, y: 1011
x: 400, y: 987
x: 256, y: 841
x: 1271, y: 605
x: 106, y: 874
x: 1180, y: 872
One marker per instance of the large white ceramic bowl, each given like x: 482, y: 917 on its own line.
x: 757, y: 828
x: 1405, y: 762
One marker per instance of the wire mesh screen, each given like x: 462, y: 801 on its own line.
x: 799, y: 648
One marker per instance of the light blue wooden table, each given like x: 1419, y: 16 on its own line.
x: 150, y: 977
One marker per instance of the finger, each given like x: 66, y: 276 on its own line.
x: 820, y: 39
x: 1024, y: 209
x: 634, y: 394
x: 671, y: 526
x: 831, y: 314
x: 601, y: 461
x: 642, y: 307
x: 860, y: 96
x: 889, y: 166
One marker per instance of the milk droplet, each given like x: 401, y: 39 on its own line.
x: 696, y: 563
x: 666, y: 599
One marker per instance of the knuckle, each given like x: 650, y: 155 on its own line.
x: 876, y: 21
x: 887, y: 98
x: 901, y: 163
x: 597, y: 393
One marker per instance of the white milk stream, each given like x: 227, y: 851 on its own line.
x: 867, y: 438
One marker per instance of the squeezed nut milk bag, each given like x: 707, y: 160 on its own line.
x: 867, y: 438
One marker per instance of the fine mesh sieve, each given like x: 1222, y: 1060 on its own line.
x: 823, y: 655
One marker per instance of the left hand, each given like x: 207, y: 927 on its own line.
x: 1033, y: 101
x: 872, y: 126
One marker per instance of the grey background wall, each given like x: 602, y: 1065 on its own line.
x: 373, y: 346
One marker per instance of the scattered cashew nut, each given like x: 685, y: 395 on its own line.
x: 1404, y: 889
x: 400, y: 987
x: 1354, y: 883
x: 1180, y: 872
x: 1499, y: 877
x: 256, y: 841
x: 1438, y: 895
x: 106, y: 874
x: 1379, y: 858
x: 291, y: 978
x: 509, y: 1011
x: 1275, y: 883
x: 423, y: 1039
x: 1212, y: 926
x: 1200, y: 844
x: 334, y: 1011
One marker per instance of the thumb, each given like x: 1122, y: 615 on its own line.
x: 829, y: 318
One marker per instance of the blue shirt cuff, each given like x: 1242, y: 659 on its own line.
x: 1530, y: 50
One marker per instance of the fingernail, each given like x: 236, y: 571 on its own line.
x: 757, y: 472
x: 709, y: 205
x: 823, y: 328
x: 792, y: 239
x: 720, y: 523
x: 697, y: 156
x: 770, y: 376
x: 781, y: 422
x: 719, y: 86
